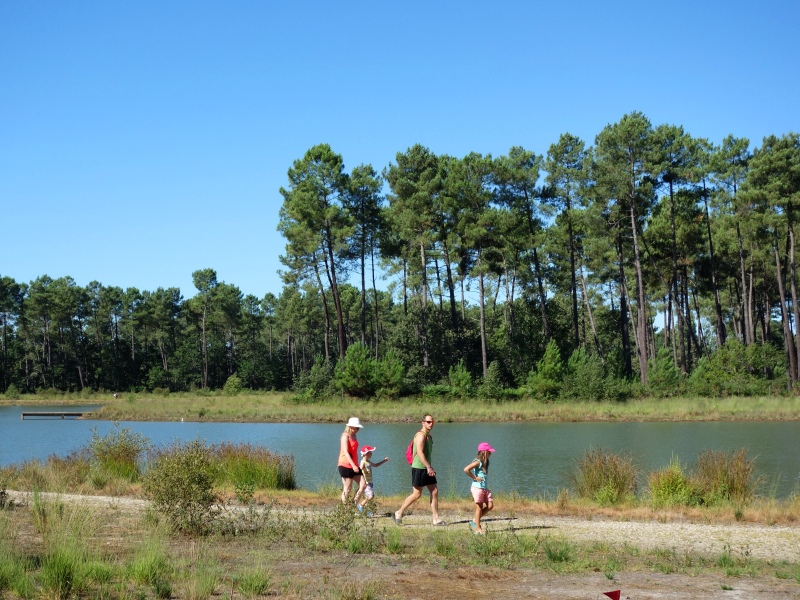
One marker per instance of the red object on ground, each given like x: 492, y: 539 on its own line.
x: 613, y: 595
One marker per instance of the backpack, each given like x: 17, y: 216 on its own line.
x: 410, y: 449
x: 410, y: 452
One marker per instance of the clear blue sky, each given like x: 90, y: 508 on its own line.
x: 141, y: 141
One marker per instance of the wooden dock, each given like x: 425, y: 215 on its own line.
x: 52, y: 415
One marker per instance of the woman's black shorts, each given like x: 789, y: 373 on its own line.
x: 348, y: 473
x: 420, y: 478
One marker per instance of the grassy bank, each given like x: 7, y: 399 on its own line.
x: 282, y: 407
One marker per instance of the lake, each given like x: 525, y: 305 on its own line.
x: 532, y: 458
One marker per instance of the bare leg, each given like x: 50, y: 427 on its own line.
x: 477, y: 517
x: 434, y: 490
x: 346, y: 485
x: 416, y: 492
x: 362, y: 483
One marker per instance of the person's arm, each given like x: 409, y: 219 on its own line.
x: 378, y: 464
x: 468, y: 470
x: 419, y: 442
x: 343, y: 449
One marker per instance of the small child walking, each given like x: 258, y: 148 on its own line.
x: 366, y: 464
x: 477, y: 471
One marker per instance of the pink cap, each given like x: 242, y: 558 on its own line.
x: 483, y: 446
x: 365, y: 449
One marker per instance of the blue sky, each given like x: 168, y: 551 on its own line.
x: 141, y: 141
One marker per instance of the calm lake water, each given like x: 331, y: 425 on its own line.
x: 531, y: 458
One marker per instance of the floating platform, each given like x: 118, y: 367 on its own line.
x: 52, y: 415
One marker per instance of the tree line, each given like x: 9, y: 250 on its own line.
x: 647, y: 262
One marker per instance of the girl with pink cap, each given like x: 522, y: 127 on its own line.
x: 477, y: 471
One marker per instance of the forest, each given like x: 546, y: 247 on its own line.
x: 648, y: 263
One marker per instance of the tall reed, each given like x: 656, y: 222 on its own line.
x: 244, y: 463
x: 604, y: 477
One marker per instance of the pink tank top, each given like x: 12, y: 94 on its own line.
x: 352, y: 450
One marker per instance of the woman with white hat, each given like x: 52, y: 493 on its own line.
x: 348, y: 457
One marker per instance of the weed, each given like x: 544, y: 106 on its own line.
x: 558, y: 551
x: 604, y: 477
x: 118, y: 452
x: 256, y: 581
x: 722, y: 477
x: 356, y: 591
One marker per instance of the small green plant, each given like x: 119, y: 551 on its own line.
x: 256, y: 581
x: 558, y: 551
x: 671, y: 486
x: 180, y: 485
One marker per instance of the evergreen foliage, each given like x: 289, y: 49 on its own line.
x: 660, y: 263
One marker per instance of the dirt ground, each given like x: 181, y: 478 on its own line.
x: 393, y: 577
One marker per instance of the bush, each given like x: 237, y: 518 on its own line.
x: 721, y: 477
x: 736, y: 369
x: 663, y: 378
x: 586, y: 379
x: 671, y: 486
x: 355, y: 375
x: 118, y: 452
x: 316, y: 382
x: 390, y: 373
x: 545, y: 380
x: 604, y: 477
x: 492, y: 385
x: 460, y: 380
x: 12, y: 392
x: 233, y: 386
x: 180, y: 485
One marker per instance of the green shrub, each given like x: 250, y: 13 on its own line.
x: 663, y: 378
x: 492, y: 385
x: 233, y: 386
x: 545, y: 381
x: 180, y: 485
x: 671, y: 486
x: 355, y: 375
x: 736, y: 369
x: 460, y: 380
x: 12, y: 392
x: 390, y: 373
x: 118, y: 452
x: 604, y: 477
x: 585, y: 378
x: 316, y: 382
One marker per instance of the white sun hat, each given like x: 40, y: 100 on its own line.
x: 354, y: 422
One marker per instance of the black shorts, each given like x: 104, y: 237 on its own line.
x: 348, y: 473
x: 420, y: 478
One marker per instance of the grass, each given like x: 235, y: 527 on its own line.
x: 278, y: 407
